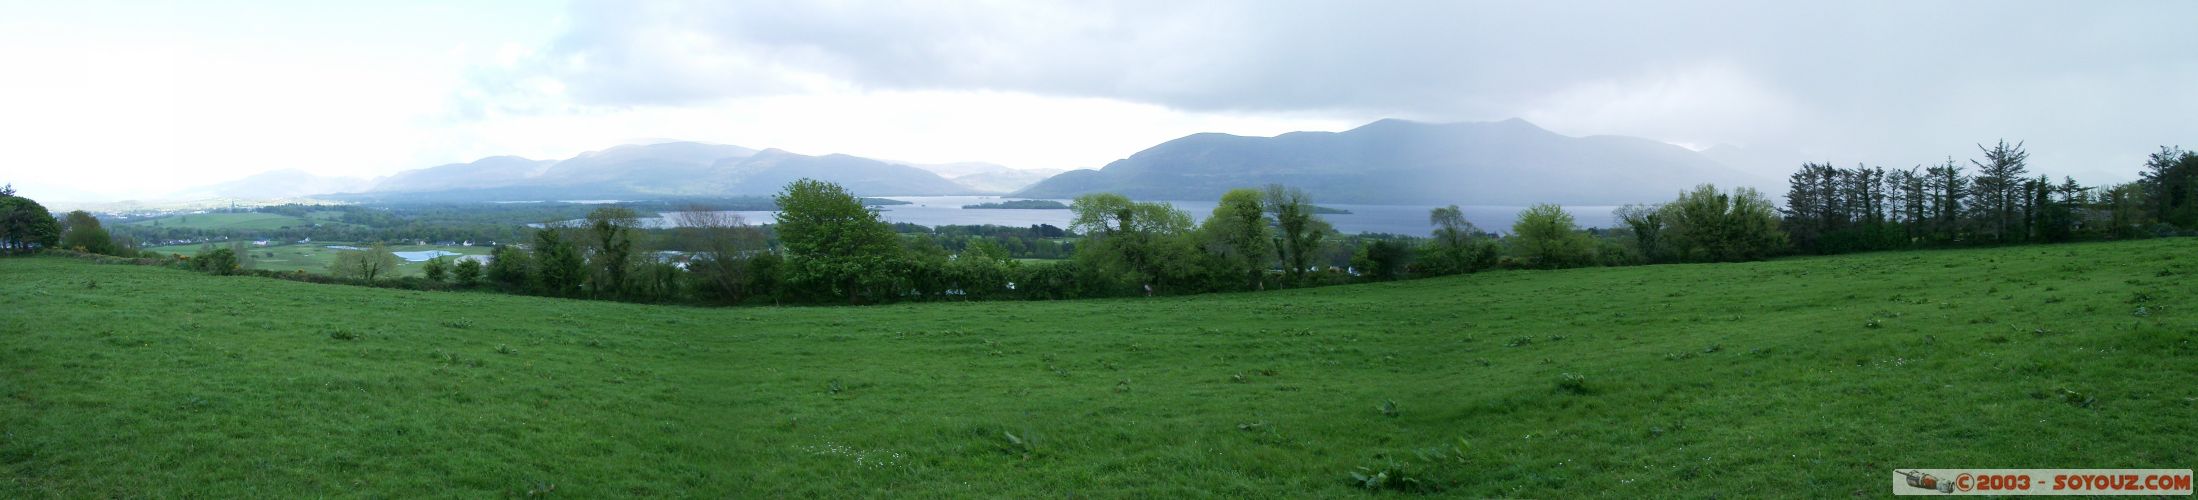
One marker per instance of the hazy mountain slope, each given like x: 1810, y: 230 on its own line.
x: 671, y: 167
x: 679, y: 169
x: 1511, y: 162
x: 986, y: 177
x: 1005, y: 181
x: 494, y: 171
x: 957, y: 169
x: 287, y: 183
x: 769, y: 171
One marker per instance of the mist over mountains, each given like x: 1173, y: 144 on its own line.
x: 1510, y: 162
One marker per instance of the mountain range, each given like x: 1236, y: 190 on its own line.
x: 286, y: 183
x: 1510, y: 162
x: 670, y: 169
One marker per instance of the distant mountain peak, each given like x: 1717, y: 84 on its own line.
x: 1390, y: 123
x: 1396, y: 124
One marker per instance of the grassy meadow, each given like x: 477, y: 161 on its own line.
x: 241, y: 220
x: 1800, y: 377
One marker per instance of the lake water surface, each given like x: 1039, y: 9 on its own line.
x: 423, y: 255
x: 1395, y: 219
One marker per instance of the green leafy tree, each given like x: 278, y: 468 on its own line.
x: 657, y: 282
x: 925, y: 267
x: 1241, y: 236
x: 1646, y: 223
x: 437, y: 269
x: 1456, y: 246
x: 982, y: 270
x: 1382, y: 260
x: 81, y: 231
x: 766, y: 277
x: 1707, y: 225
x: 835, y: 246
x: 25, y: 225
x: 467, y: 272
x: 1546, y: 237
x: 1129, y: 241
x: 610, y: 249
x: 511, y: 268
x: 558, y: 268
x: 1301, y: 230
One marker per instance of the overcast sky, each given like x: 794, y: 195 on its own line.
x: 111, y: 100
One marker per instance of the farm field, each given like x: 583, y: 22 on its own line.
x: 315, y: 257
x: 241, y: 220
x: 1805, y: 377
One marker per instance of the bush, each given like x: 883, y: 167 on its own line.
x: 436, y: 269
x: 1382, y: 260
x: 468, y: 272
x: 220, y: 261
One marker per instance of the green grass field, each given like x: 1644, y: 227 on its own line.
x: 1804, y: 377
x: 315, y: 257
x: 242, y: 221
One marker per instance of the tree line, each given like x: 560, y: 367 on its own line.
x: 1991, y: 200
x: 829, y: 248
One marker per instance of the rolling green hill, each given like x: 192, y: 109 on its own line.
x: 1807, y: 377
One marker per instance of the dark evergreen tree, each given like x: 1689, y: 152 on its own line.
x: 2000, y: 190
x: 1948, y: 190
x: 2170, y: 182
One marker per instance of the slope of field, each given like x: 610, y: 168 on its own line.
x: 1809, y: 377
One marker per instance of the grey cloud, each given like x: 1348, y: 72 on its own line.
x: 1882, y: 82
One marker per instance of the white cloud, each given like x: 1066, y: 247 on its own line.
x: 162, y: 97
x: 1016, y: 129
x: 1709, y: 103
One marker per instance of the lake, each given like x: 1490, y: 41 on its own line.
x: 424, y: 255
x: 1395, y: 219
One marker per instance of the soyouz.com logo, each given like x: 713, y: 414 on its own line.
x: 2154, y: 482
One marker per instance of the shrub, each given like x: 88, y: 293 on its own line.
x: 221, y: 261
x: 468, y: 272
x: 436, y: 269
